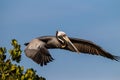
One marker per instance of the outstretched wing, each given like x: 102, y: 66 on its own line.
x: 89, y: 47
x: 38, y: 53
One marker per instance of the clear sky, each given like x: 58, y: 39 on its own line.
x: 95, y: 20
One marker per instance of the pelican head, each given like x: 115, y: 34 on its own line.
x: 64, y: 40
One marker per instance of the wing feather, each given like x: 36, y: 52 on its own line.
x: 88, y: 47
x: 37, y: 51
x: 41, y: 56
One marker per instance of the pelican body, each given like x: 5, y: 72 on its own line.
x: 37, y: 49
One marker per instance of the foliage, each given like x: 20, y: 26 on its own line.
x: 10, y: 71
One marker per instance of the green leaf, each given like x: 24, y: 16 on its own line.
x: 22, y: 68
x: 3, y: 76
x: 2, y: 53
x: 14, y: 42
x: 22, y: 77
x: 13, y: 67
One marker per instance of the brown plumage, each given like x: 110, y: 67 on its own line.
x: 88, y: 47
x: 37, y: 49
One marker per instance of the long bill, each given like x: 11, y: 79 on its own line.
x: 70, y: 43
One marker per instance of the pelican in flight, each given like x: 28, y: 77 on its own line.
x: 37, y: 49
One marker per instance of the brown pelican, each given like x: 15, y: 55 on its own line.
x: 37, y: 49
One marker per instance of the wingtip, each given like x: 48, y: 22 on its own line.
x: 26, y: 44
x: 117, y: 58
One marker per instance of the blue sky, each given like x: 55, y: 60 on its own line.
x: 95, y: 20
